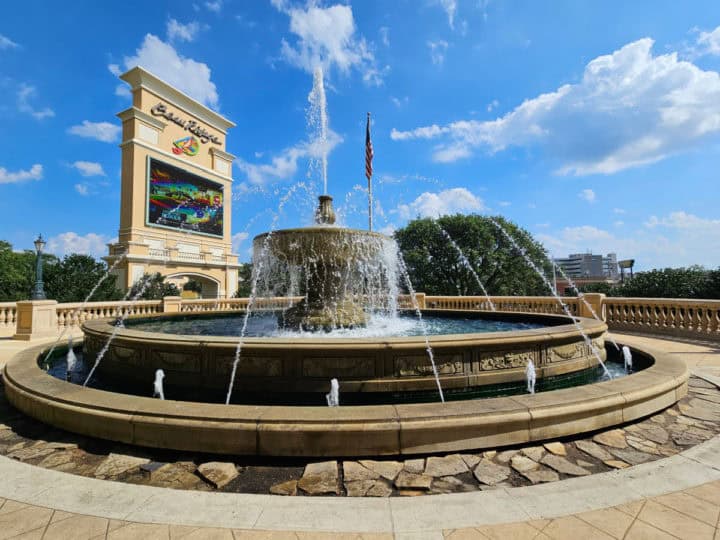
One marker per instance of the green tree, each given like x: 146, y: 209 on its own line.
x: 17, y: 272
x: 244, y: 280
x: 693, y: 282
x: 72, y: 278
x: 436, y: 267
x: 193, y: 285
x: 153, y: 287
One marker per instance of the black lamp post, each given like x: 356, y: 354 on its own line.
x: 38, y: 291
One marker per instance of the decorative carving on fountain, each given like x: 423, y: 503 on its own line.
x: 508, y: 360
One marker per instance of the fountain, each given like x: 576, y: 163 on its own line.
x: 326, y: 305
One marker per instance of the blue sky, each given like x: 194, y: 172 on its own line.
x: 595, y: 125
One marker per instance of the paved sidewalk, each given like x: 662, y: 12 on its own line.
x: 677, y: 497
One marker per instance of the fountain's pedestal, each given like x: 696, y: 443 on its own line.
x: 338, y: 267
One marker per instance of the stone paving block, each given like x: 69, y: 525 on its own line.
x: 134, y: 531
x: 642, y: 531
x: 609, y: 520
x: 692, y: 506
x: 77, y: 527
x: 708, y: 492
x: 514, y: 531
x: 572, y: 528
x: 674, y: 522
x: 23, y: 520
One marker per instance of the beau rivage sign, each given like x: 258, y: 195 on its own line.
x: 188, y: 125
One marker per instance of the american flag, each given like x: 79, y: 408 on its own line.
x: 368, y: 151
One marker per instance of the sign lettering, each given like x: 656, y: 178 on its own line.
x: 188, y: 125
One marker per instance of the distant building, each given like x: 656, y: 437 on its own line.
x: 589, y: 266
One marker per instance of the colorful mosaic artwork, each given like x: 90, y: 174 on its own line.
x: 187, y: 145
x: 178, y: 199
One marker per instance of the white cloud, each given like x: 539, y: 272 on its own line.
x: 618, y: 223
x: 630, y: 108
x: 284, y: 165
x: 399, y: 102
x: 709, y: 42
x: 25, y: 92
x: 89, y: 168
x: 384, y: 32
x: 71, y: 242
x: 177, y: 31
x: 10, y: 177
x: 504, y: 203
x: 101, y: 131
x: 237, y: 241
x: 82, y: 189
x: 587, y: 195
x: 678, y: 239
x: 215, y: 6
x: 437, y: 51
x: 618, y: 210
x: 450, y: 7
x: 7, y: 43
x: 493, y: 105
x: 165, y: 62
x: 326, y: 37
x: 450, y: 201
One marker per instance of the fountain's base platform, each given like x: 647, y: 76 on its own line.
x: 319, y: 316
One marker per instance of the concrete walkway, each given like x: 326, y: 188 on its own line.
x: 677, y: 497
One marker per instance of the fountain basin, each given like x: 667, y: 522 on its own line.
x: 343, y: 431
x: 363, y: 365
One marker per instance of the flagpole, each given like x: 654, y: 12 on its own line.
x: 368, y: 171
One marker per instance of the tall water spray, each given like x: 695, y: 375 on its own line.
x: 318, y: 120
x: 70, y: 359
x: 627, y: 357
x: 563, y: 305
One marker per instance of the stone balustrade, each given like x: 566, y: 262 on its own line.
x: 698, y: 319
x: 74, y: 314
x: 8, y: 318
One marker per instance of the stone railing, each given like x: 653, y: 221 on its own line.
x: 532, y: 304
x: 237, y: 304
x: 8, y: 318
x: 75, y: 314
x: 699, y: 319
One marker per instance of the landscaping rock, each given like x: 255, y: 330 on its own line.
x: 32, y: 452
x: 541, y: 475
x: 471, y: 460
x: 353, y: 471
x: 320, y: 478
x: 489, y: 454
x: 616, y: 464
x: 655, y: 434
x: 700, y: 413
x: 585, y: 464
x: 556, y: 448
x: 614, y: 438
x: 523, y: 464
x: 445, y: 466
x: 562, y: 465
x: 690, y: 436
x: 593, y: 449
x: 506, y: 456
x: 414, y: 466
x: 173, y: 476
x: 358, y: 488
x: 218, y: 473
x: 633, y: 457
x: 56, y: 459
x: 386, y: 469
x: 406, y: 480
x: 534, y: 452
x: 288, y: 488
x: 379, y: 489
x: 490, y: 473
x: 648, y: 447
x: 117, y: 464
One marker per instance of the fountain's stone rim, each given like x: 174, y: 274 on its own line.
x: 591, y: 326
x: 343, y: 431
x: 322, y: 229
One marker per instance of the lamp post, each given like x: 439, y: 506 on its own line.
x: 38, y: 291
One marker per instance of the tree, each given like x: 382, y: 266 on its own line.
x: 436, y: 267
x: 692, y: 282
x: 17, y: 272
x: 153, y: 287
x: 74, y: 277
x: 193, y: 285
x: 244, y: 280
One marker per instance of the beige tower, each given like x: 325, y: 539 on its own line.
x: 176, y: 190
